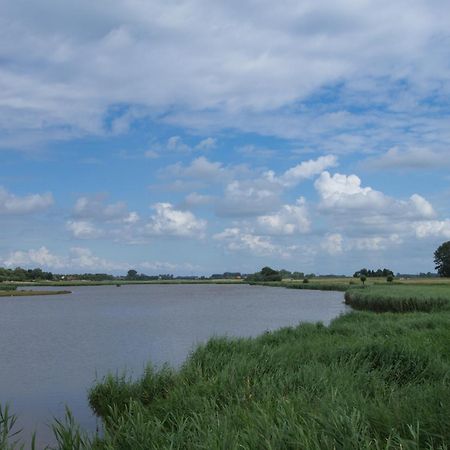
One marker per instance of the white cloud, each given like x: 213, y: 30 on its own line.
x: 375, y: 243
x: 433, y: 228
x: 237, y: 240
x: 176, y: 144
x: 422, y: 206
x: 341, y: 193
x: 312, y: 45
x: 305, y: 170
x: 289, y: 220
x: 35, y: 257
x: 11, y: 204
x: 200, y: 169
x: 83, y: 258
x: 249, y: 198
x: 206, y: 144
x: 83, y: 229
x: 333, y: 243
x: 168, y: 221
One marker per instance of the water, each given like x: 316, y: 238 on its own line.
x: 52, y: 348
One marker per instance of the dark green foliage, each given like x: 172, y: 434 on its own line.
x: 442, y: 259
x: 266, y: 274
x: 19, y: 274
x: 379, y: 273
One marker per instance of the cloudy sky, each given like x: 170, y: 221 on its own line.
x: 194, y: 137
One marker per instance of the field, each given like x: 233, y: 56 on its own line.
x: 368, y: 381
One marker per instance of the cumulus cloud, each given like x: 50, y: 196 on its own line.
x: 304, y: 170
x: 289, y: 220
x: 168, y: 221
x: 235, y: 239
x: 243, y: 198
x: 342, y: 193
x: 433, y: 228
x: 11, y: 204
x: 41, y: 257
x: 83, y: 229
x: 83, y: 259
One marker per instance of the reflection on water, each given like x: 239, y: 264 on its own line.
x: 53, y: 348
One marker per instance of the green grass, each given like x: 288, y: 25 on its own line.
x: 366, y: 382
x: 400, y: 298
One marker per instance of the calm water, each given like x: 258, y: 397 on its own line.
x: 53, y: 348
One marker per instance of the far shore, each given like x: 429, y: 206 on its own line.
x: 31, y: 293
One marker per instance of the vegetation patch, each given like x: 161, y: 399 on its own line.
x: 361, y: 383
x: 25, y: 293
x: 399, y: 298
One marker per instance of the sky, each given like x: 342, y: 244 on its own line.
x: 197, y: 137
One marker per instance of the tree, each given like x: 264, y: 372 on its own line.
x: 442, y: 259
x: 132, y: 274
x: 363, y: 279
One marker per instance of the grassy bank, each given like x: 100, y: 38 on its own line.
x: 400, y: 298
x: 26, y: 293
x: 368, y: 381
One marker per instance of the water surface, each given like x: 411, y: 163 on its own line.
x: 52, y: 348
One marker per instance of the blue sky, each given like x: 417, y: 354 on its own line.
x: 195, y: 137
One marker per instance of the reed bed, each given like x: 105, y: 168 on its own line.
x: 365, y: 382
x: 400, y: 298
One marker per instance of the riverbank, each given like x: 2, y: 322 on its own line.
x: 368, y: 381
x: 26, y: 293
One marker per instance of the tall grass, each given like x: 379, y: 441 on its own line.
x: 400, y: 298
x: 366, y: 382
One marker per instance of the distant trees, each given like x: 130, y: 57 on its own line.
x: 373, y: 273
x: 442, y: 259
x: 266, y: 274
x: 20, y: 274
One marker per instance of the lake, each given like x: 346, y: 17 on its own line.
x: 53, y: 348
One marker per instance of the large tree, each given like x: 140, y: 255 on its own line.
x: 442, y: 259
